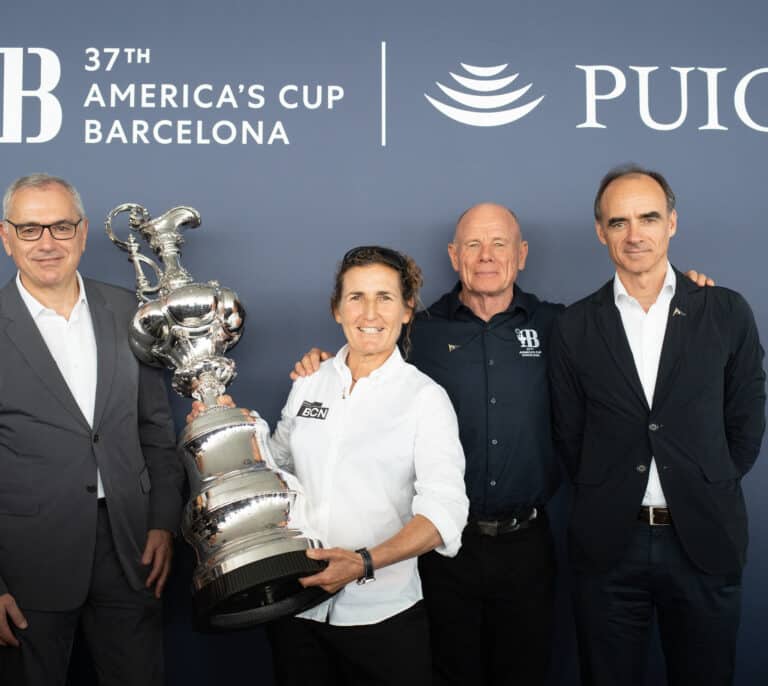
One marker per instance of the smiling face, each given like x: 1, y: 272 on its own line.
x: 46, y: 265
x: 488, y: 251
x: 371, y: 312
x: 636, y: 225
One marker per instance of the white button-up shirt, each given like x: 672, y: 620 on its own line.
x: 368, y: 461
x: 645, y: 333
x: 72, y: 345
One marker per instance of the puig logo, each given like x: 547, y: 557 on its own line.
x: 13, y: 94
x: 483, y: 98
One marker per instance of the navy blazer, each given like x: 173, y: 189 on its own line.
x: 704, y: 428
x: 49, y: 455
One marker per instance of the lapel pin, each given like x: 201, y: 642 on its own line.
x: 678, y: 312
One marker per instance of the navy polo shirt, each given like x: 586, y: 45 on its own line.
x: 495, y: 373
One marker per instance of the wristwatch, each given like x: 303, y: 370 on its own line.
x: 367, y: 566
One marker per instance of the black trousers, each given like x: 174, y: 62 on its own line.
x: 394, y: 652
x: 698, y: 616
x: 491, y: 608
x: 123, y: 629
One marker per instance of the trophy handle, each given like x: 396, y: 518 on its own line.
x: 137, y: 218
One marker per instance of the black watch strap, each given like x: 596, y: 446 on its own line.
x: 367, y: 566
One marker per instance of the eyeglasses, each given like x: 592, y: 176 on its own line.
x: 365, y: 254
x: 61, y: 231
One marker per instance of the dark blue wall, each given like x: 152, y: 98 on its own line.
x: 277, y: 217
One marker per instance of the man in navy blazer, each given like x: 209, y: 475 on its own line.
x: 659, y: 406
x: 90, y: 484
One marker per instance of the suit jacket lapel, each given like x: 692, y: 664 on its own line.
x: 612, y: 330
x: 675, y: 339
x: 24, y: 334
x: 103, y: 319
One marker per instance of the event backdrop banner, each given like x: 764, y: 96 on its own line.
x: 300, y: 129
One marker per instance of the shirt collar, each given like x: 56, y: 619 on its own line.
x: 668, y: 287
x: 36, y: 308
x: 520, y: 300
x: 391, y: 364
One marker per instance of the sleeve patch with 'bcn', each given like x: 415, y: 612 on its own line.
x: 312, y: 410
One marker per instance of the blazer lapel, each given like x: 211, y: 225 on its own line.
x: 103, y: 319
x: 24, y: 334
x: 675, y: 340
x: 612, y: 330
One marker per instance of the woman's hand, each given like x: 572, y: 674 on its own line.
x: 344, y: 566
x: 198, y: 407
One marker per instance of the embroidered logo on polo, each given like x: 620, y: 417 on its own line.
x: 312, y: 410
x: 529, y: 342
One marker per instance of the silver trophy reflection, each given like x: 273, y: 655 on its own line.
x: 240, y: 515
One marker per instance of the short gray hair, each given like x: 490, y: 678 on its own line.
x: 41, y: 180
x: 632, y: 169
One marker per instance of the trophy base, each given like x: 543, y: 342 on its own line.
x: 259, y: 592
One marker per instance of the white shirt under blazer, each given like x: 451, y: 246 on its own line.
x: 645, y: 332
x: 368, y: 461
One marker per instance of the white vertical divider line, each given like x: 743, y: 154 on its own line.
x: 383, y: 94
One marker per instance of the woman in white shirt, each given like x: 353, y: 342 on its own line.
x: 382, y: 469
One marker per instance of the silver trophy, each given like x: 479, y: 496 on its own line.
x: 240, y: 518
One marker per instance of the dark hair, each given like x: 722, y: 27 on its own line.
x: 630, y: 170
x: 406, y: 268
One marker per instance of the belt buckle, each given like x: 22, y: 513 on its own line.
x: 652, y: 516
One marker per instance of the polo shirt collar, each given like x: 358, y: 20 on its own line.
x: 520, y: 301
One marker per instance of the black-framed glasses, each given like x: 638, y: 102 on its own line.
x: 61, y: 231
x: 365, y: 254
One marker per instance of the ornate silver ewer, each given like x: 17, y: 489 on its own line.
x: 239, y: 517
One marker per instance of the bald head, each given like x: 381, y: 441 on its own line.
x: 487, y: 213
x: 488, y: 251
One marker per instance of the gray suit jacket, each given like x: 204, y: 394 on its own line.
x: 49, y: 455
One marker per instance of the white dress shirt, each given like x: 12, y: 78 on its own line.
x: 72, y: 345
x: 645, y: 332
x: 384, y: 452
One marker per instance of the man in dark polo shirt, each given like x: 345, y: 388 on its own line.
x: 485, y: 342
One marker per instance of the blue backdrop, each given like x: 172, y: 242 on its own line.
x: 212, y: 111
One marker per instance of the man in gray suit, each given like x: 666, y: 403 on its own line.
x: 90, y: 485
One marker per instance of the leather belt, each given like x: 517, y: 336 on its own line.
x: 507, y: 525
x: 655, y: 516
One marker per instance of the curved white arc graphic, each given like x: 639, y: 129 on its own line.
x: 483, y: 118
x: 484, y: 102
x: 483, y: 86
x: 483, y: 71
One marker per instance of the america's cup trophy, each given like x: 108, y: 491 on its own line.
x: 241, y: 519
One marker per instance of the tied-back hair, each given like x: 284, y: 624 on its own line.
x: 409, y: 272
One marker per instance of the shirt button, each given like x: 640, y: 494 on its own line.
x: 494, y: 441
x: 653, y: 427
x: 490, y: 363
x: 641, y: 468
x: 493, y: 401
x: 493, y: 483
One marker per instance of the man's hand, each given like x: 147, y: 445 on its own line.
x: 344, y: 566
x: 158, y: 552
x: 310, y: 363
x: 699, y: 279
x: 9, y: 608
